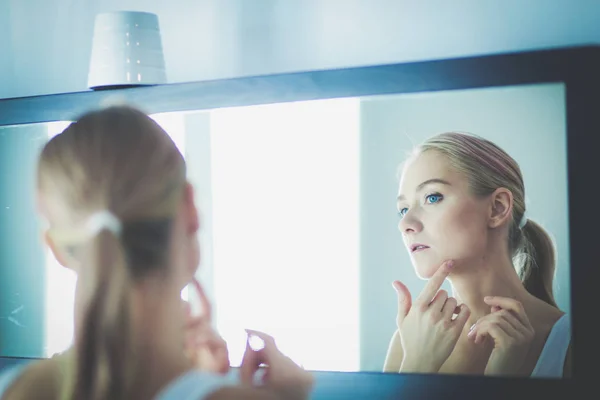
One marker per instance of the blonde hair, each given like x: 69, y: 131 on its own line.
x: 115, y: 159
x: 487, y: 167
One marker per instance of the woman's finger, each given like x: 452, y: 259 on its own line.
x: 204, y: 302
x: 404, y: 301
x: 509, y: 317
x: 215, y: 361
x: 203, y: 334
x: 438, y: 302
x: 268, y: 341
x: 500, y: 331
x: 507, y: 303
x: 250, y: 364
x: 462, y: 317
x: 208, y: 341
x: 449, y: 308
x: 187, y: 308
x: 434, y: 284
x: 198, y: 325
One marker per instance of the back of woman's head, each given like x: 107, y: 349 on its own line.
x: 487, y: 167
x: 117, y: 160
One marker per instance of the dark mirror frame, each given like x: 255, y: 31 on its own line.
x: 577, y: 68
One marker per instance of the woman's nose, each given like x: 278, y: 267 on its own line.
x: 410, y: 223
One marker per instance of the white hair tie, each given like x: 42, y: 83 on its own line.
x: 524, y: 220
x: 101, y: 220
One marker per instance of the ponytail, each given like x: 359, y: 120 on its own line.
x: 104, y: 346
x: 538, y: 262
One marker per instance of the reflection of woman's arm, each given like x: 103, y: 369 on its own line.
x: 395, y: 354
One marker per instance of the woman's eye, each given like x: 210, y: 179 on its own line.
x: 402, y: 212
x: 433, y: 198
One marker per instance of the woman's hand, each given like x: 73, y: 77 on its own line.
x: 203, y: 345
x: 427, y: 329
x: 281, y: 375
x: 509, y: 327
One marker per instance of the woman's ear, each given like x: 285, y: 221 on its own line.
x: 55, y: 250
x: 501, y: 207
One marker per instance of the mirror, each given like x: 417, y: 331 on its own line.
x: 299, y: 222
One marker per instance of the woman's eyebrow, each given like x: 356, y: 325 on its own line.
x: 425, y: 183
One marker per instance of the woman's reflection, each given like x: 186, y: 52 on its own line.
x: 463, y: 216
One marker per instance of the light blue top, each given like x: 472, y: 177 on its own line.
x: 193, y: 385
x: 196, y: 385
x: 9, y: 375
x: 552, y: 359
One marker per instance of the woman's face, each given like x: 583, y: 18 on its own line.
x: 439, y: 218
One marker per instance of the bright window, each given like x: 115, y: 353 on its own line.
x: 286, y: 228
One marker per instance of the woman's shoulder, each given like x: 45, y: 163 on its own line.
x: 198, y: 385
x: 195, y: 385
x: 36, y: 379
x: 9, y: 375
x: 554, y: 359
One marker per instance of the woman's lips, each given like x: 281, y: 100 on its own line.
x: 417, y: 247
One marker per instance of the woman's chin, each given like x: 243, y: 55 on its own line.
x: 425, y: 270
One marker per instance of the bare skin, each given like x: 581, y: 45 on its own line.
x: 439, y: 211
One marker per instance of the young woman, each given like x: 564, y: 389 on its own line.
x: 122, y: 215
x: 462, y: 217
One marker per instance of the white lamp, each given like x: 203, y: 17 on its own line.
x: 126, y: 51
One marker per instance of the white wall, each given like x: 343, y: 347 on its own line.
x: 45, y: 44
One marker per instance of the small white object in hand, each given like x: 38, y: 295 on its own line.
x: 256, y: 343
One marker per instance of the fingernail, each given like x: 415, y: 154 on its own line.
x: 487, y: 298
x: 472, y: 327
x: 450, y: 264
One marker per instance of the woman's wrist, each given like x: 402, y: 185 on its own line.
x: 420, y: 366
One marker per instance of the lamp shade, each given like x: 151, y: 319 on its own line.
x: 126, y: 51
